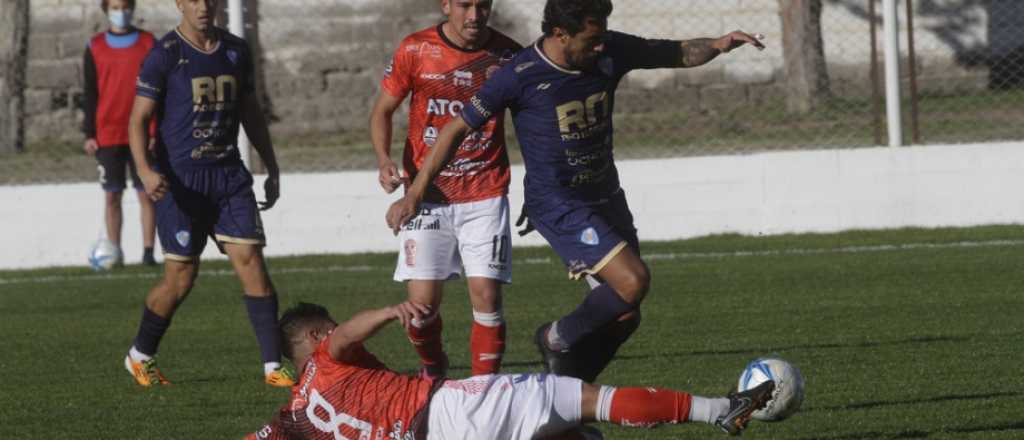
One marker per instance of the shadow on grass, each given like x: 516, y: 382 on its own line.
x: 762, y: 350
x: 884, y: 403
x: 1012, y: 426
x: 751, y: 351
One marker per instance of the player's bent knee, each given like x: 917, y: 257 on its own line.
x: 634, y: 287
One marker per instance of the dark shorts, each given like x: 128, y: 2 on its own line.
x: 587, y: 235
x: 113, y: 161
x: 217, y: 202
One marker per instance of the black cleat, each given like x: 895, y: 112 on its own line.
x: 561, y: 363
x: 742, y: 407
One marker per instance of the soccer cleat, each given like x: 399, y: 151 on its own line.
x: 145, y: 373
x: 281, y: 377
x: 742, y: 406
x: 435, y: 371
x: 562, y: 363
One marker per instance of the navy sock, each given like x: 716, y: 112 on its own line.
x: 601, y: 306
x: 151, y: 331
x: 263, y: 316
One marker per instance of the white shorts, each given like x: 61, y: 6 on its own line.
x: 443, y: 240
x: 505, y: 406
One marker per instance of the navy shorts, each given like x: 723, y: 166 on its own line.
x: 587, y: 235
x: 112, y: 162
x: 205, y: 202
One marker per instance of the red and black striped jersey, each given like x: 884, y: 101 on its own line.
x: 442, y: 77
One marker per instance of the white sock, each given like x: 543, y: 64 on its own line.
x: 604, y: 403
x: 138, y: 356
x: 488, y: 319
x: 703, y: 409
x: 555, y: 342
x: 269, y: 367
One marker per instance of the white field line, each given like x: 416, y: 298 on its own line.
x: 545, y: 260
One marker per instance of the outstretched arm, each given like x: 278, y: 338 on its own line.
x: 699, y: 51
x: 448, y: 140
x: 365, y: 324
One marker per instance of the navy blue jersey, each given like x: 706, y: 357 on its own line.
x: 563, y: 118
x: 198, y: 95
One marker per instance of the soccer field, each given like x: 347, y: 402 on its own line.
x: 899, y: 334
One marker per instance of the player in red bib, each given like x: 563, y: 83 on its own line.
x: 110, y: 65
x: 464, y: 222
x: 344, y: 392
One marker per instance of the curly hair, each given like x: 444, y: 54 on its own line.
x: 572, y: 15
x: 296, y: 320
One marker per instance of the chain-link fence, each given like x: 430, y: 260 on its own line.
x: 320, y: 62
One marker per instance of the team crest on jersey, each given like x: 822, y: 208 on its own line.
x: 183, y: 238
x: 430, y: 136
x: 232, y: 56
x: 589, y: 236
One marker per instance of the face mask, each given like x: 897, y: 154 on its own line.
x: 120, y: 19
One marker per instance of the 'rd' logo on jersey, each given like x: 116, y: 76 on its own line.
x: 210, y: 94
x: 579, y: 119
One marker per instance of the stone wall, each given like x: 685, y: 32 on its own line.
x: 322, y: 59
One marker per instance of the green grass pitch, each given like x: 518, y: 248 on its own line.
x: 901, y: 334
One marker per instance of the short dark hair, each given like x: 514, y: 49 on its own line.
x: 296, y: 320
x: 106, y: 4
x: 572, y: 15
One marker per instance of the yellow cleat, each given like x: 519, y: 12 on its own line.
x: 145, y: 373
x: 281, y: 377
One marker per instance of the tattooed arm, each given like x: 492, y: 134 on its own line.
x: 699, y: 51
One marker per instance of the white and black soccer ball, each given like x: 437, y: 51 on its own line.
x: 104, y: 255
x: 789, y: 387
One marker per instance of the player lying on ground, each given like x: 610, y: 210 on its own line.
x: 345, y: 392
x: 561, y: 92
x: 464, y: 222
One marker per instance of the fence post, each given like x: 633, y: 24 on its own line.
x: 14, y: 22
x: 807, y: 82
x: 236, y: 24
x: 890, y: 18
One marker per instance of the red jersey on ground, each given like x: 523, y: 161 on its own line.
x: 442, y: 78
x: 357, y: 400
x: 116, y: 71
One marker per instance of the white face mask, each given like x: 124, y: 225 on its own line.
x: 120, y: 19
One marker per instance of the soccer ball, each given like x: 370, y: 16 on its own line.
x: 789, y: 387
x: 104, y: 255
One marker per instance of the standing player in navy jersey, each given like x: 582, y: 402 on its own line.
x: 561, y: 92
x: 198, y: 83
x: 109, y: 67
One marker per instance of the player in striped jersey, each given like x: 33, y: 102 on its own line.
x: 344, y: 391
x: 464, y: 220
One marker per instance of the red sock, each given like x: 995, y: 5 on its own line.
x: 427, y: 341
x: 645, y: 407
x: 486, y: 345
